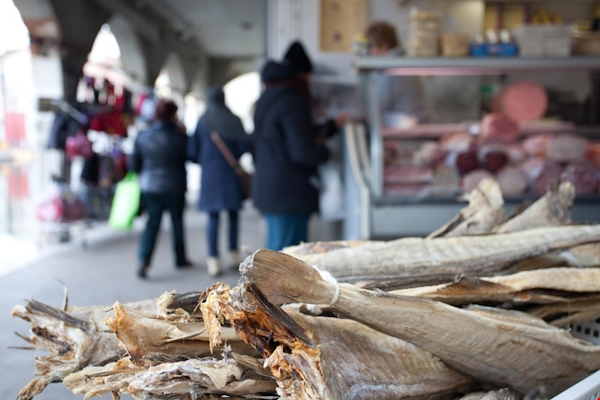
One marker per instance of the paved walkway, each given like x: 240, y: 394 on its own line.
x: 102, y: 273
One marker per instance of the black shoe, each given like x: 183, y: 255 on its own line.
x: 187, y: 264
x: 142, y: 270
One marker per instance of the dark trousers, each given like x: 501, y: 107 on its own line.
x: 285, y: 230
x: 156, y: 204
x: 213, y: 232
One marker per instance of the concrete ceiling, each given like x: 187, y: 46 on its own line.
x: 224, y: 28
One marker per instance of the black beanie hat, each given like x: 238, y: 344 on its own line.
x: 297, y: 58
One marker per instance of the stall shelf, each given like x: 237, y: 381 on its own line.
x: 372, y: 213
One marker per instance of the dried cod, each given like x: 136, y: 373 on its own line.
x: 483, y: 345
x: 413, y: 261
x: 331, y: 358
x: 552, y: 285
x: 484, y: 212
x: 193, y: 377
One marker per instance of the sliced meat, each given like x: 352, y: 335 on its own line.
x: 493, y: 157
x: 566, y: 148
x: 524, y: 101
x: 472, y: 179
x: 541, y: 174
x: 513, y: 181
x: 536, y: 145
x: 499, y: 128
x: 583, y: 175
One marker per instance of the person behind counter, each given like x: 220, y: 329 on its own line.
x: 159, y: 156
x: 395, y: 94
x: 220, y: 189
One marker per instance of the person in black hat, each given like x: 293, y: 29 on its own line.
x: 297, y: 58
x: 288, y: 148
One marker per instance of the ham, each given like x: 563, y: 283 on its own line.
x: 512, y: 180
x: 472, y: 179
x: 524, y: 101
x: 536, y: 145
x: 499, y: 128
x: 541, y: 174
x: 583, y: 175
x: 566, y: 148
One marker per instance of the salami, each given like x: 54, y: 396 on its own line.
x: 583, y: 175
x: 499, y: 128
x: 524, y: 101
x: 566, y: 148
x: 464, y: 161
x: 541, y: 174
x: 493, y: 157
x: 512, y: 180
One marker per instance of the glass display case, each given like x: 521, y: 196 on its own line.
x: 405, y: 179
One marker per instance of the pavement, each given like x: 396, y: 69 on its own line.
x: 100, y: 274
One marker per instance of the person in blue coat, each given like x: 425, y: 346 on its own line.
x: 220, y: 189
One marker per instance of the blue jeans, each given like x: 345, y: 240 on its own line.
x: 213, y: 232
x: 156, y: 204
x: 285, y: 230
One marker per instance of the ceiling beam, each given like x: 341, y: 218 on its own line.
x: 146, y: 28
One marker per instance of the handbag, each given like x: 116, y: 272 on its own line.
x: 244, y: 178
x: 126, y: 202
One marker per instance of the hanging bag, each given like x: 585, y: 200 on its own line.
x: 126, y: 202
x: 244, y: 178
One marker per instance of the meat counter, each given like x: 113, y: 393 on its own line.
x: 407, y: 181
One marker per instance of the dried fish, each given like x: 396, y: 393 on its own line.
x: 481, y: 216
x: 412, y: 261
x: 73, y: 343
x: 304, y: 354
x: 150, y: 340
x: 205, y: 376
x: 560, y: 284
x: 482, y: 346
x: 552, y: 209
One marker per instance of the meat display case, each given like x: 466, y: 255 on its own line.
x: 370, y: 212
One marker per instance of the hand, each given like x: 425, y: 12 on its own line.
x: 342, y: 119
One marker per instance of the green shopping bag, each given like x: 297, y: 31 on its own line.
x: 126, y: 202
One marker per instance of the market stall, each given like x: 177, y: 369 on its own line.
x: 404, y: 177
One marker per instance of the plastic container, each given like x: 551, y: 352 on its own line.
x: 589, y: 388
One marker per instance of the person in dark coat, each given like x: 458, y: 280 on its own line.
x: 220, y: 189
x: 286, y: 156
x: 159, y: 156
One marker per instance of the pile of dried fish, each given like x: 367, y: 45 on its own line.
x: 480, y: 309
